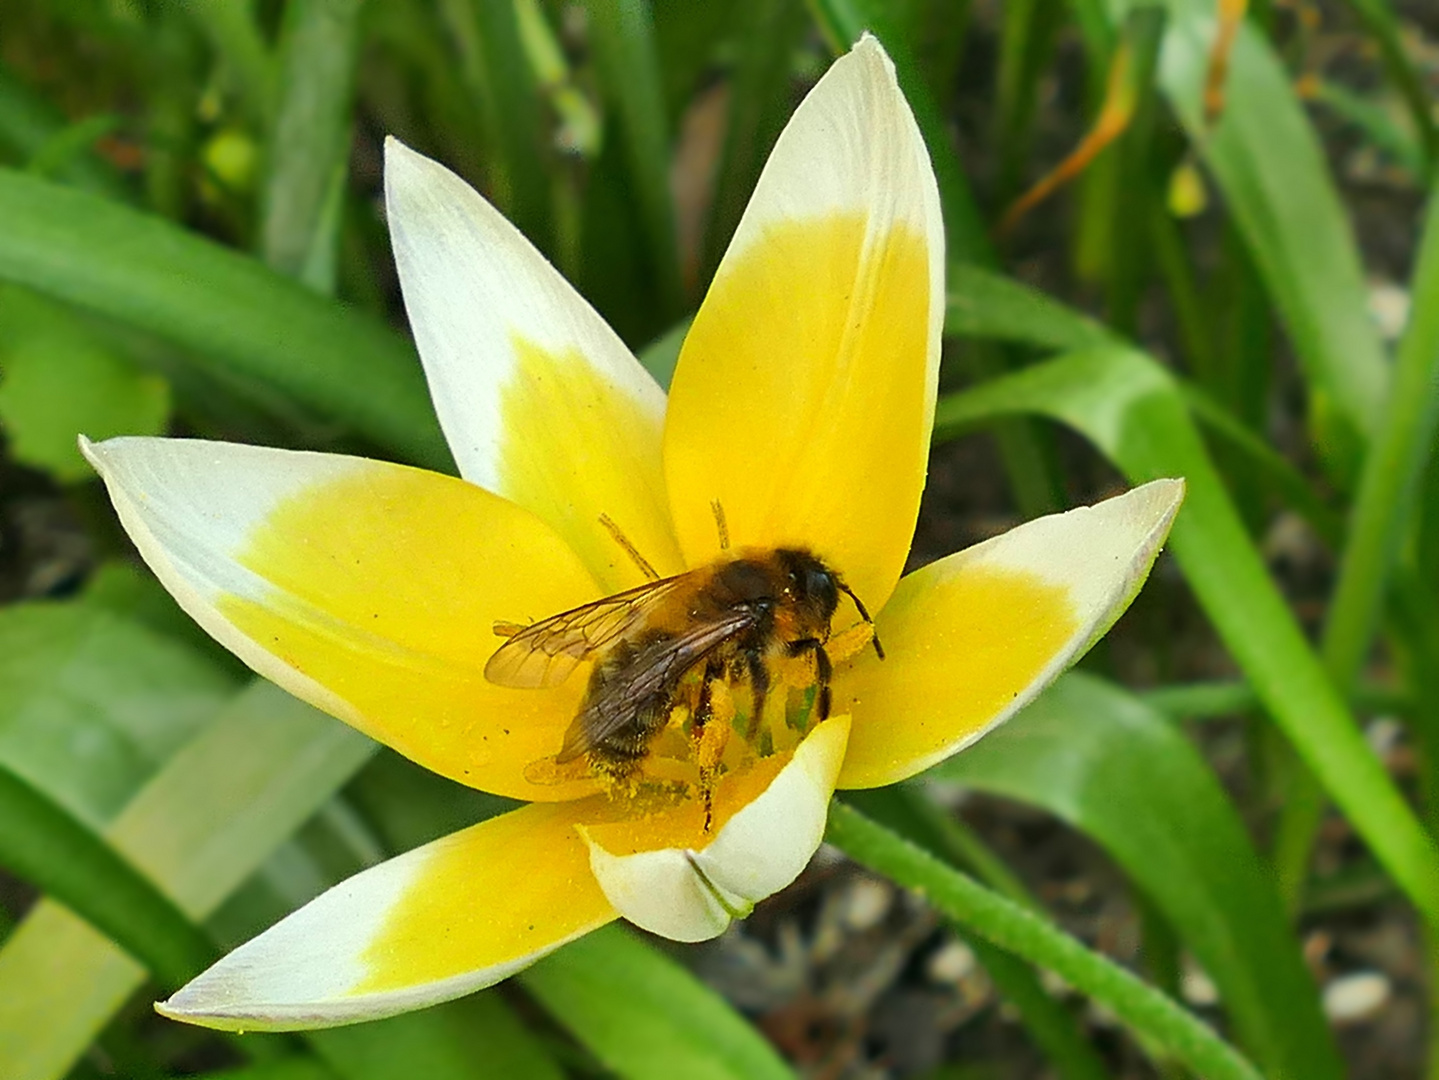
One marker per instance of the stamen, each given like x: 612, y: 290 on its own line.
x: 721, y: 524
x: 633, y: 552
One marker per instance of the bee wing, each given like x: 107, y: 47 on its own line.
x: 544, y: 654
x: 651, y: 676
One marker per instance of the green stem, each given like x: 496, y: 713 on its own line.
x: 1001, y: 922
x: 908, y: 811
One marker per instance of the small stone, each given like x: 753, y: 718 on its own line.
x: 1197, y: 988
x: 1054, y: 984
x: 1351, y: 998
x: 953, y: 962
x: 867, y: 902
x: 1389, y: 308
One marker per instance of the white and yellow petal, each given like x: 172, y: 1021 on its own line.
x: 369, y: 590
x: 667, y: 874
x: 973, y: 638
x: 804, y: 395
x: 539, y: 399
x: 446, y: 919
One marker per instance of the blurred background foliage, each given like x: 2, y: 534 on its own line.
x: 1186, y: 238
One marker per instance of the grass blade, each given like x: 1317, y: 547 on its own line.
x: 205, y: 822
x: 1133, y: 411
x: 665, y: 1023
x: 92, y: 704
x: 497, y: 72
x: 476, y: 1038
x: 309, y: 147
x: 1268, y: 162
x: 622, y: 35
x: 47, y: 847
x: 228, y: 310
x: 984, y: 304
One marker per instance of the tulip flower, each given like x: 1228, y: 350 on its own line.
x: 801, y: 406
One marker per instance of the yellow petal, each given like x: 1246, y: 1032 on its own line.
x: 804, y: 394
x: 973, y: 638
x: 443, y: 920
x: 539, y: 399
x: 369, y: 590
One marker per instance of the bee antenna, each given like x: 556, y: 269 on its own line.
x: 863, y: 614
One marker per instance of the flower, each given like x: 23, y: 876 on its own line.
x: 801, y: 405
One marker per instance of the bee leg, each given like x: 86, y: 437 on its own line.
x: 704, y: 709
x: 759, y: 690
x: 706, y: 747
x: 823, y: 669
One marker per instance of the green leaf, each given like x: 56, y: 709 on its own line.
x: 502, y: 83
x: 229, y: 311
x: 1119, y: 771
x: 843, y: 22
x: 471, y: 1039
x: 644, y: 1016
x: 623, y: 39
x: 58, y: 380
x: 983, y: 304
x: 290, y: 1068
x: 53, y: 851
x: 1134, y: 413
x: 205, y: 822
x: 309, y: 148
x: 1379, y: 19
x: 29, y: 124
x: 1271, y: 168
x: 758, y: 107
x: 986, y: 305
x: 1016, y: 929
x: 91, y: 703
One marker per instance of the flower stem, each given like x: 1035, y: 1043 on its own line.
x: 1148, y: 1013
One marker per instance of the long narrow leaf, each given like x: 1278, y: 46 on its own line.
x: 1119, y: 771
x: 229, y: 311
x: 1131, y: 409
x: 622, y: 35
x: 309, y: 148
x: 198, y: 829
x: 47, y: 847
x: 1268, y: 162
x: 477, y: 1038
x: 91, y: 703
x: 645, y: 1017
x: 498, y: 74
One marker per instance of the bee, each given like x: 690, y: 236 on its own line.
x: 727, y: 618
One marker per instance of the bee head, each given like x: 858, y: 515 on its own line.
x: 810, y: 584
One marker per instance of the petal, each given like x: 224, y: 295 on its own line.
x: 448, y: 918
x: 540, y: 401
x: 805, y: 390
x: 667, y: 876
x: 973, y: 638
x: 367, y: 589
